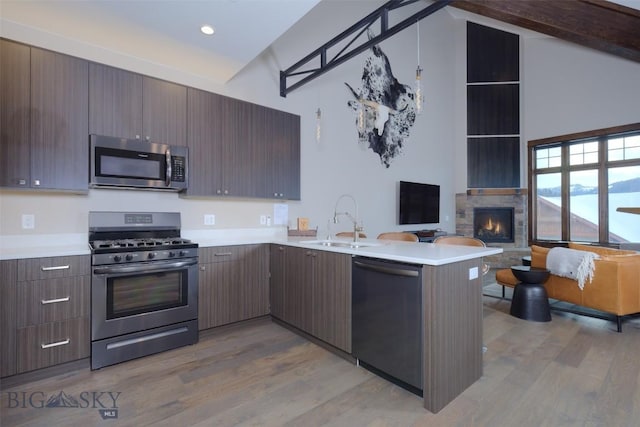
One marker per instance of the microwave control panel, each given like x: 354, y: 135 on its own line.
x: 178, y: 168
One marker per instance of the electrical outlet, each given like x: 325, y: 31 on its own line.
x: 209, y: 219
x: 263, y: 220
x: 473, y: 273
x: 28, y: 221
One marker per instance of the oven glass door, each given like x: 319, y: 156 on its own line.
x: 146, y: 293
x: 140, y: 296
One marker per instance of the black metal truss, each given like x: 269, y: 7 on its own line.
x: 382, y: 13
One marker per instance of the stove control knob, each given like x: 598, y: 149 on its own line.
x: 128, y: 257
x: 151, y: 255
x: 171, y: 254
x: 117, y: 258
x: 183, y: 253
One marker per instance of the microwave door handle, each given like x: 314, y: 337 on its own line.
x: 167, y: 180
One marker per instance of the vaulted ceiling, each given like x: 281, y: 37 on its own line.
x: 602, y: 25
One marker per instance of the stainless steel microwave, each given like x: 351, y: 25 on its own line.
x: 133, y: 163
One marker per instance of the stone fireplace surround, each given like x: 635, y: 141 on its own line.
x: 489, y: 198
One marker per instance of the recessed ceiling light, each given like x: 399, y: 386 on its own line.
x: 207, y: 29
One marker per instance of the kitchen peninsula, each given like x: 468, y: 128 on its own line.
x: 451, y: 293
x: 451, y: 309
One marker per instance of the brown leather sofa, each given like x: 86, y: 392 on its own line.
x: 615, y: 287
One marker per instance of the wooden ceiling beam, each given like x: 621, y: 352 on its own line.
x: 597, y: 24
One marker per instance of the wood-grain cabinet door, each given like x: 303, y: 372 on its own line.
x: 164, y: 111
x: 332, y: 299
x: 298, y: 288
x: 277, y: 277
x: 15, y: 110
x: 234, y: 284
x: 205, y: 141
x: 8, y: 314
x: 59, y: 121
x: 281, y: 139
x: 115, y: 102
x: 253, y: 281
x: 52, y: 343
x: 44, y: 301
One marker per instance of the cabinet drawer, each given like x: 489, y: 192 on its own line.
x: 52, y: 343
x: 220, y: 254
x: 51, y: 268
x: 43, y: 301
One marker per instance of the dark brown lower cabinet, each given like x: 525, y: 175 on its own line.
x: 233, y: 284
x: 52, y: 343
x: 311, y: 290
x: 45, y: 309
x: 331, y: 299
x: 8, y: 311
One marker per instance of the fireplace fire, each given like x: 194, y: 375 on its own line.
x: 493, y: 224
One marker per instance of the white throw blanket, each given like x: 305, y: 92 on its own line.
x: 572, y: 263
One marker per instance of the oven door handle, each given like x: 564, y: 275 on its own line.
x: 156, y: 267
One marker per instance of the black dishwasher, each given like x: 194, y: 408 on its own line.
x: 387, y: 320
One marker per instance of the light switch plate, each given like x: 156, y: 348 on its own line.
x: 473, y: 273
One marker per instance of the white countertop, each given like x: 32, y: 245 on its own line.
x: 49, y: 245
x: 415, y: 253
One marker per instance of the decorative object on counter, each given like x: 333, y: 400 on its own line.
x: 386, y: 108
x: 303, y: 223
x: 398, y: 235
x: 305, y: 233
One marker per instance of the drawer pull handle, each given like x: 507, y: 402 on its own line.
x: 56, y: 344
x: 223, y: 254
x: 53, y: 301
x: 57, y: 267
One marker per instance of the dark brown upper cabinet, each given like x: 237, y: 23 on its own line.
x: 128, y: 105
x: 218, y: 152
x: 240, y: 149
x: 15, y: 107
x: 281, y: 141
x: 44, y: 119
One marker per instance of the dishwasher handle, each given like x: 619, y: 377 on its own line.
x: 394, y: 271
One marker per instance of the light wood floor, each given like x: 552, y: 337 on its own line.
x: 572, y: 371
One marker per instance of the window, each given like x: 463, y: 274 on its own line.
x: 577, y: 183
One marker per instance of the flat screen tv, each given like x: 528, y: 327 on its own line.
x: 419, y: 203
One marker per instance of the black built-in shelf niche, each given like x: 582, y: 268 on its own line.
x: 493, y: 108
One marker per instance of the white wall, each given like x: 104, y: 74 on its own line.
x: 555, y: 74
x: 336, y: 165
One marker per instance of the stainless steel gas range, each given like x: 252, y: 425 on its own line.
x: 144, y: 285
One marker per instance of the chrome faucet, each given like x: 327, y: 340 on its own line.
x: 356, y: 229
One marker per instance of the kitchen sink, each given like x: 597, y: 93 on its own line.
x: 341, y: 243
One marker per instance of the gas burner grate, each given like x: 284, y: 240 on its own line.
x: 138, y: 243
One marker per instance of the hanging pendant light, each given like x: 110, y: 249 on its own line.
x: 318, y: 124
x: 418, y: 84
